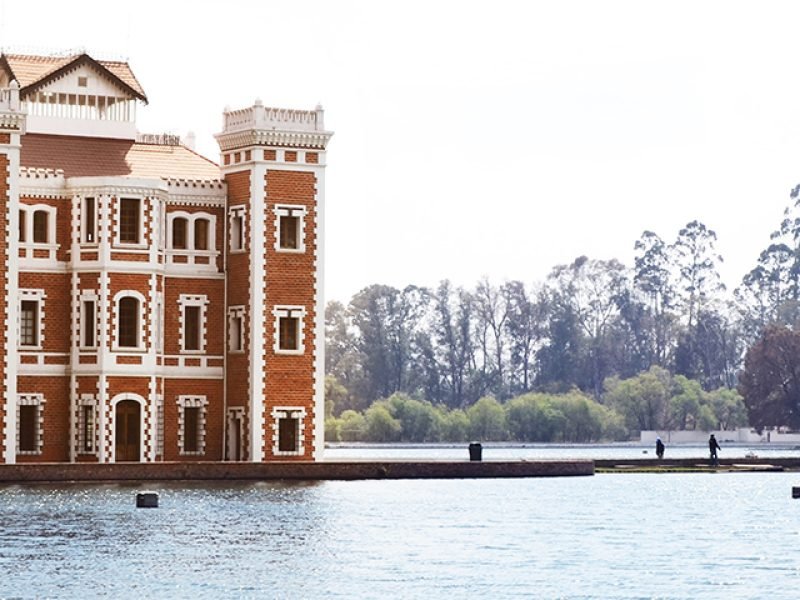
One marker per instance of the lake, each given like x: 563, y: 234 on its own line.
x: 718, y: 535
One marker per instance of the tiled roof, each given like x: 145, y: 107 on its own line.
x: 29, y: 70
x: 104, y: 157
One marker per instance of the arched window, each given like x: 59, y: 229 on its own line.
x: 201, y: 234
x: 179, y: 233
x: 40, y: 227
x: 128, y: 323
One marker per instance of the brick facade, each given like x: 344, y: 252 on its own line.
x: 160, y: 314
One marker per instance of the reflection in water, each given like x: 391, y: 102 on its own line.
x: 610, y: 536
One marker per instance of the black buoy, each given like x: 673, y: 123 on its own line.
x: 796, y: 492
x: 146, y: 500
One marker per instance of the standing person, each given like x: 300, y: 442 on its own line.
x: 713, y: 446
x: 659, y: 448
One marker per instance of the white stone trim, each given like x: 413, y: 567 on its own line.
x: 235, y: 312
x: 160, y: 426
x: 288, y: 412
x: 285, y: 311
x: 38, y: 401
x: 319, y: 314
x: 87, y: 400
x: 290, y: 210
x: 39, y: 297
x: 185, y: 402
x: 115, y: 321
x: 200, y: 301
x: 240, y: 211
x: 258, y: 302
x: 10, y: 284
x: 190, y: 252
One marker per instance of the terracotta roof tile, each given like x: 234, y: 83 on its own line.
x: 104, y: 157
x: 30, y: 69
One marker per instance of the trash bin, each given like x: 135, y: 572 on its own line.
x: 475, y: 451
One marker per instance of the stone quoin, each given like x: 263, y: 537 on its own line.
x: 157, y: 306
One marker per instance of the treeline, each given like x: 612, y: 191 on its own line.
x: 651, y: 400
x: 590, y: 323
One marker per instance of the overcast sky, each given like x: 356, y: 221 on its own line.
x: 483, y: 139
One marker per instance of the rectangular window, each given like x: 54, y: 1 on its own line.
x: 191, y: 428
x: 87, y: 428
x: 89, y: 221
x: 288, y: 338
x: 191, y: 328
x: 28, y: 428
x: 89, y: 324
x: 290, y: 232
x: 236, y: 334
x: 288, y: 433
x: 22, y: 215
x: 128, y: 333
x: 29, y: 323
x: 129, y: 225
x: 237, y: 232
x: 40, y: 225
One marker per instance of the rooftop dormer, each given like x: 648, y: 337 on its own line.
x: 75, y: 94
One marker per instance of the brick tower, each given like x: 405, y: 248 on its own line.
x: 273, y: 161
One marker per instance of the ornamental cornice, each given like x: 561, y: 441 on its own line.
x: 269, y: 137
x: 199, y: 201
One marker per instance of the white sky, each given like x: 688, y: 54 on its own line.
x: 493, y: 138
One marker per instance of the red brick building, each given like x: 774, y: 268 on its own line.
x: 157, y: 306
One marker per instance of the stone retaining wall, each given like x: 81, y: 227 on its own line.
x: 333, y: 470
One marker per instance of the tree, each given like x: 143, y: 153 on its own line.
x: 590, y: 289
x: 770, y: 382
x: 381, y: 426
x: 694, y: 254
x: 352, y: 426
x: 642, y: 401
x: 728, y: 407
x: 492, y: 311
x: 487, y: 420
x: 523, y: 326
x: 653, y: 282
x: 454, y: 350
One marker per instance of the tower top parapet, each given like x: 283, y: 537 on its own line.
x: 262, y: 125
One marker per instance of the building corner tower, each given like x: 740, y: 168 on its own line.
x: 273, y: 161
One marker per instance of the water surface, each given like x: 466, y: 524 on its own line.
x: 720, y: 535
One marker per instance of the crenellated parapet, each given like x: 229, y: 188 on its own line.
x: 259, y: 125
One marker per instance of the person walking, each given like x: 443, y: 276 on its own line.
x: 713, y: 446
x: 659, y: 448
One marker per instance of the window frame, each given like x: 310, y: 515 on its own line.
x: 200, y: 403
x: 140, y: 337
x: 236, y: 313
x: 280, y: 413
x: 237, y: 229
x: 282, y: 312
x: 36, y: 401
x: 38, y: 297
x: 200, y: 302
x: 140, y: 221
x: 282, y: 211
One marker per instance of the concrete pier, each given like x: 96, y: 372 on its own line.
x: 316, y: 471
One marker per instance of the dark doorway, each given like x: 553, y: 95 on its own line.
x: 128, y: 431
